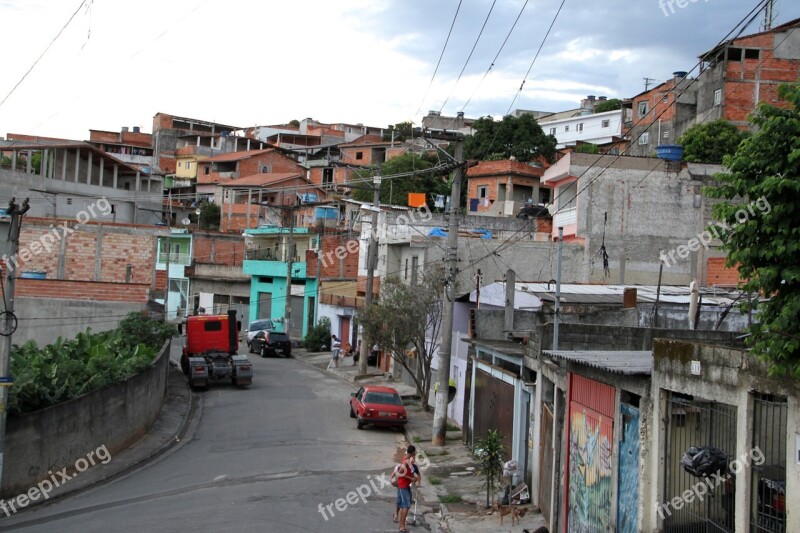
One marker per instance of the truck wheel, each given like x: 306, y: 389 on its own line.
x: 263, y: 351
x: 359, y: 424
x: 185, y: 365
x: 352, y: 413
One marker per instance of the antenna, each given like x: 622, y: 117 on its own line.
x: 647, y: 82
x: 768, y: 15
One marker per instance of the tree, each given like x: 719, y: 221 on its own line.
x: 519, y: 137
x: 395, y: 190
x: 764, y: 243
x: 491, y: 451
x: 709, y: 142
x: 295, y: 123
x: 401, y: 131
x: 209, y: 216
x: 608, y: 105
x: 406, y: 321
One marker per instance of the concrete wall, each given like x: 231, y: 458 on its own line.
x: 70, y: 430
x: 727, y: 376
x: 66, y: 318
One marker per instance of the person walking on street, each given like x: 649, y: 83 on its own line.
x: 405, y: 474
x: 336, y: 347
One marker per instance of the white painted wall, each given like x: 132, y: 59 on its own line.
x: 593, y: 130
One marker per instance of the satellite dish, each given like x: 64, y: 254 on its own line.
x: 197, y: 212
x: 186, y: 221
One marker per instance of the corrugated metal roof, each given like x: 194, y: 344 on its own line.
x: 618, y: 362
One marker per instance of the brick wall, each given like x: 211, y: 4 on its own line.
x: 219, y: 249
x: 719, y: 274
x: 332, y: 265
x: 83, y: 290
x: 116, y: 245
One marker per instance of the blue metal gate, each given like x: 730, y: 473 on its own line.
x: 628, y: 481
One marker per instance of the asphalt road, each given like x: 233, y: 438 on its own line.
x: 265, y: 458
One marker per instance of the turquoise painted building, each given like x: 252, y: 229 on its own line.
x: 266, y: 262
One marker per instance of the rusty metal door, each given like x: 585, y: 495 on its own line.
x: 494, y: 408
x: 546, y: 462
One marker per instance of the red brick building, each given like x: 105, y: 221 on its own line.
x: 501, y: 188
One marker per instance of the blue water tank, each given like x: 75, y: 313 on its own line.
x: 670, y: 152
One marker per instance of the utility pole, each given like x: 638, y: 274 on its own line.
x: 440, y: 412
x: 166, y: 291
x: 647, y: 82
x: 372, y: 256
x: 558, y: 288
x: 9, y: 320
x: 289, y: 260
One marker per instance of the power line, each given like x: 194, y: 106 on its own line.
x: 469, y: 56
x: 64, y: 27
x: 449, y: 33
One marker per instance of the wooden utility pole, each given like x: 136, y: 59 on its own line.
x: 440, y: 412
x: 8, y: 321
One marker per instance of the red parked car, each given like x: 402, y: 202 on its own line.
x: 379, y: 406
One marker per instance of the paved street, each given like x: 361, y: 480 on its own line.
x: 260, y: 459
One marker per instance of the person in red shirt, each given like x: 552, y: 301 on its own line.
x: 405, y: 474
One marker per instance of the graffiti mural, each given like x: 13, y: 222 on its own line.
x: 590, y: 487
x: 628, y: 481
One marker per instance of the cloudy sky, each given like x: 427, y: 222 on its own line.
x: 258, y: 62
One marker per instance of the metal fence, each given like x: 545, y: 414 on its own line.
x: 699, y: 497
x: 768, y: 492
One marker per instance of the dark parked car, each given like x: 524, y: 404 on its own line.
x: 271, y: 343
x: 379, y: 406
x: 534, y: 211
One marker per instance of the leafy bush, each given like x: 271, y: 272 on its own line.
x: 319, y: 336
x: 67, y: 369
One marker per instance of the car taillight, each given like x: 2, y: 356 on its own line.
x: 199, y: 369
x: 244, y: 367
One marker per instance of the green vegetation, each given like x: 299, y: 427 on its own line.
x: 710, y: 142
x: 318, y: 336
x: 209, y: 216
x: 67, y: 369
x: 587, y: 148
x: 518, y: 137
x: 395, y: 191
x: 433, y: 480
x: 417, y: 439
x: 608, y: 105
x: 450, y: 498
x: 402, y: 131
x: 490, y: 452
x: 452, y: 427
x: 765, y: 246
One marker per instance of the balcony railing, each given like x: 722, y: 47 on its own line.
x: 566, y: 217
x: 261, y: 254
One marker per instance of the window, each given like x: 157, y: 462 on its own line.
x: 359, y: 155
x: 734, y: 54
x: 265, y: 169
x: 482, y: 191
x: 718, y: 97
x: 180, y: 164
x: 605, y: 123
x: 566, y: 128
x: 644, y: 138
x: 580, y: 127
x: 327, y: 176
x: 405, y: 273
x: 215, y: 325
x: 665, y: 99
x: 643, y: 108
x: 207, y: 171
x: 414, y: 267
x: 552, y: 131
x: 752, y: 53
